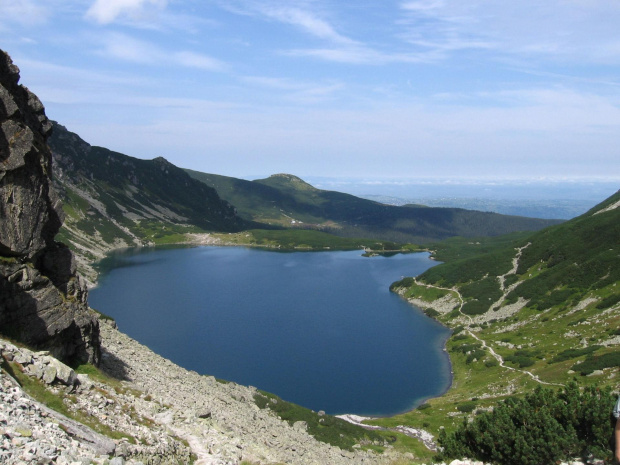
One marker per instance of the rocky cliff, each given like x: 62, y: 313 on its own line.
x: 42, y: 301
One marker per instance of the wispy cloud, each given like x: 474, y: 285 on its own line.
x: 304, y: 15
x: 124, y: 47
x: 297, y: 91
x: 198, y: 60
x: 554, y: 29
x: 107, y: 11
x: 308, y: 22
x: 23, y: 12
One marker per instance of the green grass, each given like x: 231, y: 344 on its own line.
x: 325, y: 428
x: 317, y: 240
x: 460, y: 248
x: 415, y: 291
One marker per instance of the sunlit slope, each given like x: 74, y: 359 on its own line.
x: 549, y: 303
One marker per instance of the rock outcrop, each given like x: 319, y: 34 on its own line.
x: 43, y: 302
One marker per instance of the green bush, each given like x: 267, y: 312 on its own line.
x: 432, y: 313
x: 573, y: 353
x: 466, y: 407
x: 464, y: 348
x: 475, y: 307
x: 544, y: 427
x: 521, y: 360
x: 482, y: 289
x: 405, y: 282
x: 598, y: 362
x: 475, y: 355
x: 608, y: 301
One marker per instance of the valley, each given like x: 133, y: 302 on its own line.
x: 517, y: 322
x: 501, y: 345
x: 533, y: 306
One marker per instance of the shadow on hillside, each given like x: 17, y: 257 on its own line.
x: 113, y: 366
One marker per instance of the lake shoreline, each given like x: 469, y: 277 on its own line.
x: 406, y: 374
x: 208, y: 240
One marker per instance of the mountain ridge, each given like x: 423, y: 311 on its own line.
x: 278, y: 200
x: 112, y: 200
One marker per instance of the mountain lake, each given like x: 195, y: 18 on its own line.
x: 320, y: 329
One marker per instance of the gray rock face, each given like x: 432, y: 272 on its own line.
x: 29, y: 209
x: 42, y: 301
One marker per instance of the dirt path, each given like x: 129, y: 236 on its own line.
x: 497, y: 304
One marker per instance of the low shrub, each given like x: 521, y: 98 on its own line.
x: 573, y: 353
x: 520, y: 360
x: 608, y: 301
x: 466, y: 407
x: 543, y: 427
x: 475, y: 307
x: 598, y: 362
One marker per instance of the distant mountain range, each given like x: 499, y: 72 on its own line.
x: 561, y: 209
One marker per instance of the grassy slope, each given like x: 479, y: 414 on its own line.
x: 111, y: 200
x: 579, y: 263
x: 282, y: 198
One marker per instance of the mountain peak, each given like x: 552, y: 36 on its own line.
x: 161, y: 160
x: 290, y: 180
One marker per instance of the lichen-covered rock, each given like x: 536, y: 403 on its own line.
x: 42, y: 301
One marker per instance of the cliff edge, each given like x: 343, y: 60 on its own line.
x: 43, y: 303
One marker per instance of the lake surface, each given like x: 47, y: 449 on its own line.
x: 320, y: 329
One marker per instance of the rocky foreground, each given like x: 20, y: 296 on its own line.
x: 158, y: 413
x: 150, y: 411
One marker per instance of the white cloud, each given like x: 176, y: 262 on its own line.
x: 308, y: 22
x: 126, y: 48
x: 107, y: 11
x: 197, y: 60
x: 304, y: 15
x: 299, y: 92
x: 423, y: 5
x: 559, y: 30
x: 23, y: 12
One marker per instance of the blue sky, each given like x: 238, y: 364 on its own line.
x: 381, y: 89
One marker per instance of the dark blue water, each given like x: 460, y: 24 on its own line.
x: 319, y: 329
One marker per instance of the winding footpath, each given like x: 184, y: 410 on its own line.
x: 505, y: 291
